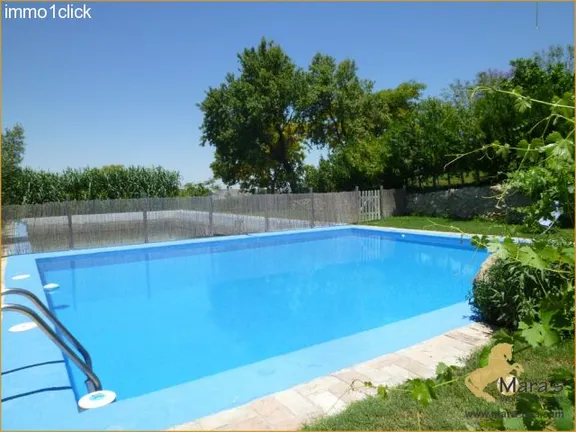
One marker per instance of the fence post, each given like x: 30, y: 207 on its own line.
x: 358, y: 205
x: 70, y: 232
x: 404, y: 198
x: 381, y: 202
x: 211, y: 216
x: 312, y: 217
x: 266, y: 212
x: 145, y: 218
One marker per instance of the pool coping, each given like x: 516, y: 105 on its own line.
x: 331, y: 394
x: 117, y: 413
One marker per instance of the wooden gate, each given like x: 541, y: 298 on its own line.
x: 369, y: 205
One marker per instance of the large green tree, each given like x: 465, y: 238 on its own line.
x: 357, y: 135
x: 336, y: 104
x: 252, y: 121
x: 13, y: 147
x: 543, y: 76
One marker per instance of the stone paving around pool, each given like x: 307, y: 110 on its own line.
x: 290, y: 409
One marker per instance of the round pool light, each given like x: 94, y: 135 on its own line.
x: 51, y: 286
x: 22, y: 327
x: 20, y: 277
x: 97, y: 399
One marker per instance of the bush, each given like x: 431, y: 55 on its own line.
x: 510, y: 292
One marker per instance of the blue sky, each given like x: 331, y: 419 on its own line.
x: 122, y: 88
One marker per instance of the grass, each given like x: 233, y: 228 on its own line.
x: 474, y: 226
x: 453, y: 408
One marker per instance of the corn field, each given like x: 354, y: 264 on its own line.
x: 108, y: 183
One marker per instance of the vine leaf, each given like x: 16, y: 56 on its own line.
x: 422, y: 390
x: 532, y: 333
x: 382, y: 392
x: 529, y: 257
x: 444, y: 372
x: 540, y: 333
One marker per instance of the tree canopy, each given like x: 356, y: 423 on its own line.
x: 253, y: 121
x: 13, y: 147
x: 262, y: 121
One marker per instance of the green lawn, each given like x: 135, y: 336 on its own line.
x: 474, y: 226
x: 453, y: 408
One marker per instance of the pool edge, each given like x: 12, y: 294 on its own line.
x: 90, y: 420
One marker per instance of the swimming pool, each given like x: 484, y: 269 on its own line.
x: 186, y: 329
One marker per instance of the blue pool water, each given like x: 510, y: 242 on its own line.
x: 158, y: 317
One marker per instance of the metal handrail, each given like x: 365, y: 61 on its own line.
x: 53, y: 319
x: 93, y: 382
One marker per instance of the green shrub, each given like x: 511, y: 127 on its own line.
x: 510, y: 292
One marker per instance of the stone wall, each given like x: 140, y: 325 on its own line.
x: 466, y: 203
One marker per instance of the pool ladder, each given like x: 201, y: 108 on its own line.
x: 85, y: 365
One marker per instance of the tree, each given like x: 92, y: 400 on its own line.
x: 13, y: 147
x: 253, y: 123
x: 542, y: 77
x: 199, y: 189
x: 336, y: 103
x: 390, y: 106
x: 353, y: 122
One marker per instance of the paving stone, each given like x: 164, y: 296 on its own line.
x: 454, y: 359
x: 350, y: 376
x: 353, y: 395
x: 463, y: 346
x: 294, y: 425
x: 300, y: 406
x: 415, y: 367
x: 385, y: 360
x: 389, y: 375
x: 272, y: 410
x: 251, y: 424
x: 192, y: 426
x: 480, y: 328
x: 328, y: 402
x: 475, y: 340
x: 318, y: 385
x: 225, y: 418
x: 434, y: 350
